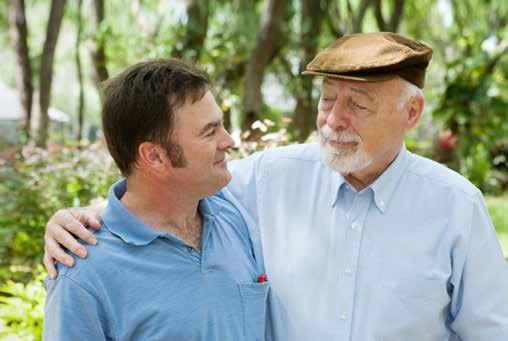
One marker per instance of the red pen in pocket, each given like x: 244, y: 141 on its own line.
x: 262, y: 278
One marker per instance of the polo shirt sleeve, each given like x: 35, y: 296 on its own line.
x: 480, y: 298
x: 72, y: 313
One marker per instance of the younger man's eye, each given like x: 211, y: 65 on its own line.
x: 212, y: 132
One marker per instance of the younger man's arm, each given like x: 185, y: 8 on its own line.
x: 73, y: 313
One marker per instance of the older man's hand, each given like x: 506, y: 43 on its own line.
x: 62, y: 231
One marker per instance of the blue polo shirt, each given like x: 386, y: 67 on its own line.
x: 139, y: 284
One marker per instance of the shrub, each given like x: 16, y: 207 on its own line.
x: 22, y: 309
x: 36, y: 184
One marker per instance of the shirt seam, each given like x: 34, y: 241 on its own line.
x: 96, y: 298
x: 274, y: 154
x: 297, y: 158
x: 469, y: 196
x: 466, y: 258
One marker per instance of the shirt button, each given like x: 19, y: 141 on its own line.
x: 343, y: 316
x: 348, y: 271
x: 355, y: 226
x: 190, y: 249
x: 381, y: 203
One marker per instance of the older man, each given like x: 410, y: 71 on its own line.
x: 363, y: 240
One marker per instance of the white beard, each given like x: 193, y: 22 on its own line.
x: 343, y: 160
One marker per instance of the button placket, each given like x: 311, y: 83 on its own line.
x: 355, y: 226
x: 354, y: 235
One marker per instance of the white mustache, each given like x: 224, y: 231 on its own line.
x: 343, y: 137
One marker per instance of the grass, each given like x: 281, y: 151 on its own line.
x: 498, y: 208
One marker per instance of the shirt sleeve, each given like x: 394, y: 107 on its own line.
x: 480, y: 300
x: 72, y: 313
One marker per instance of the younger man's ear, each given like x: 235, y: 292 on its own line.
x: 151, y: 155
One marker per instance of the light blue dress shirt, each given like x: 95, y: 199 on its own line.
x: 138, y: 284
x: 412, y: 257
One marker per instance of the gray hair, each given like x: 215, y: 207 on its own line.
x: 409, y: 91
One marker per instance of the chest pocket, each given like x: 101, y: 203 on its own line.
x: 254, y: 299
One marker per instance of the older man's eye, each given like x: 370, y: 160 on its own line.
x: 359, y: 106
x: 325, y: 104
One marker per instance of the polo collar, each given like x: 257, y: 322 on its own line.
x: 123, y: 223
x: 130, y: 229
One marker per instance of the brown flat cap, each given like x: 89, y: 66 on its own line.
x: 372, y: 57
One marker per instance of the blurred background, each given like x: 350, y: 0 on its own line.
x: 56, y: 53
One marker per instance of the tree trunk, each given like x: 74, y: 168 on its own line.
x: 195, y: 30
x: 81, y: 100
x: 266, y: 47
x: 99, y: 58
x: 304, y: 117
x: 46, y: 76
x: 19, y: 33
x: 398, y: 9
x: 393, y: 23
x: 378, y: 12
x: 358, y: 19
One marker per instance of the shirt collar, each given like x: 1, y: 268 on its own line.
x: 385, y: 184
x: 337, y: 180
x: 121, y: 222
x: 208, y: 209
x: 130, y: 229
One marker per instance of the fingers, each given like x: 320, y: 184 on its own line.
x: 53, y: 250
x: 73, y: 221
x: 50, y: 265
x: 64, y: 239
x: 87, y: 217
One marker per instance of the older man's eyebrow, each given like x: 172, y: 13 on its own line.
x: 328, y: 81
x: 363, y: 92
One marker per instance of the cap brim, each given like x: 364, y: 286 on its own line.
x: 353, y: 77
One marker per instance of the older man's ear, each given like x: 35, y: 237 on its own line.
x: 414, y: 110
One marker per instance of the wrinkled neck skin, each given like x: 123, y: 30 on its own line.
x: 365, y: 177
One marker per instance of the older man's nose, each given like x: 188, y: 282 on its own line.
x: 337, y: 118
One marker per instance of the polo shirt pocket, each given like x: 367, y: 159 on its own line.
x: 254, y: 300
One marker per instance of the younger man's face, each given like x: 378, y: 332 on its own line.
x: 200, y: 133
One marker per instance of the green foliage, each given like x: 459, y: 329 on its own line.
x: 38, y: 183
x: 473, y: 104
x: 498, y: 209
x: 22, y: 309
